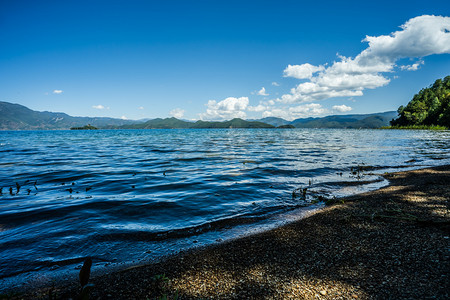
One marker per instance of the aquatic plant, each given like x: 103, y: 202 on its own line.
x: 321, y: 198
x: 333, y: 201
x: 299, y: 192
x: 358, y: 171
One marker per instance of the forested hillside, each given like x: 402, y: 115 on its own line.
x: 18, y: 117
x: 431, y: 106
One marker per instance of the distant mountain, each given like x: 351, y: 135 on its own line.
x: 158, y: 123
x: 19, y: 117
x: 376, y: 120
x: 273, y: 121
x: 235, y: 123
x: 175, y: 123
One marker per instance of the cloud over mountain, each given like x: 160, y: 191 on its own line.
x: 177, y: 113
x: 342, y: 108
x: 228, y: 108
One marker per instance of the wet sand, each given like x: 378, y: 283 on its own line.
x: 392, y: 243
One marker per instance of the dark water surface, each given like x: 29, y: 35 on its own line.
x: 126, y: 197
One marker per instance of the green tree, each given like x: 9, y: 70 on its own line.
x: 430, y: 106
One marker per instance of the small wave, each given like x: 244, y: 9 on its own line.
x: 185, y: 232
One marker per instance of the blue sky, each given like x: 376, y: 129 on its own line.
x: 211, y: 59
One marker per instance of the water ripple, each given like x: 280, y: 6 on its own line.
x: 119, y: 195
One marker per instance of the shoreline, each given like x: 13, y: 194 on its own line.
x: 388, y: 243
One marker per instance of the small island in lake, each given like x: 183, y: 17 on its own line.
x: 86, y: 127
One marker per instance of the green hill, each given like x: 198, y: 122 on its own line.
x: 235, y: 123
x: 18, y: 117
x: 376, y: 120
x: 273, y: 121
x: 159, y: 123
x: 429, y: 107
x: 175, y: 123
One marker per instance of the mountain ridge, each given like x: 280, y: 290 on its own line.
x: 18, y: 117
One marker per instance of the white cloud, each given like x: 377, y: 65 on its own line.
x: 257, y: 108
x: 99, y: 107
x: 414, y: 67
x: 226, y: 109
x: 141, y: 107
x: 311, y: 91
x: 302, y: 71
x: 342, y: 108
x: 275, y: 83
x: 124, y: 118
x: 419, y: 37
x: 312, y: 109
x: 262, y: 92
x: 177, y: 113
x: 57, y: 91
x: 279, y: 113
x: 295, y: 112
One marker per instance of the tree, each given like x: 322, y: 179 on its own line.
x: 430, y: 106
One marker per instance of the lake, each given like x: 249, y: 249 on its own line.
x: 127, y: 197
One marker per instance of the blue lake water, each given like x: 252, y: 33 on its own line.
x: 127, y: 197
